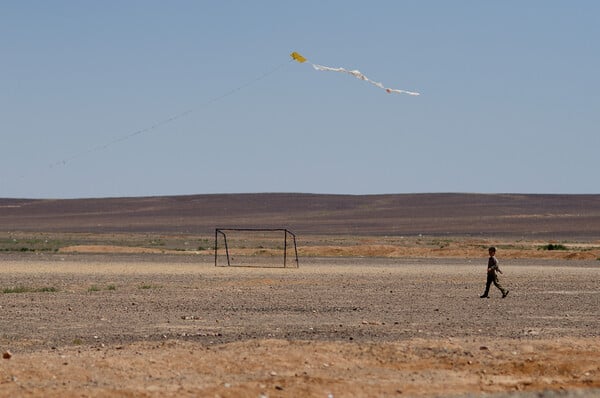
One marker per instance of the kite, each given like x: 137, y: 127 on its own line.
x: 356, y: 73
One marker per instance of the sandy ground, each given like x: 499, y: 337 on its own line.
x: 164, y: 325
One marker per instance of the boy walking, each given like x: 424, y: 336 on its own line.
x: 492, y: 277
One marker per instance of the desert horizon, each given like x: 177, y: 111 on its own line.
x: 512, y: 215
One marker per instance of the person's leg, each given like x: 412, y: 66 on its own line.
x: 499, y: 286
x: 488, y: 283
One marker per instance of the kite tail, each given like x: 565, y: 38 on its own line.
x: 359, y: 75
x: 356, y: 73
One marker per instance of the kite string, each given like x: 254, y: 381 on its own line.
x: 170, y: 119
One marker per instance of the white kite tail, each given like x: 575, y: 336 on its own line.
x: 359, y: 75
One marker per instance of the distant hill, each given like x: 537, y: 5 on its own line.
x: 514, y: 215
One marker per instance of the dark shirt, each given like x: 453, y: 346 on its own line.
x: 493, y: 265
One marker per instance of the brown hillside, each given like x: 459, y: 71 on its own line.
x: 515, y: 215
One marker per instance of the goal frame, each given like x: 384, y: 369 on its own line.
x: 286, y: 232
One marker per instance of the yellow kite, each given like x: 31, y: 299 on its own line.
x: 298, y: 57
x: 356, y: 73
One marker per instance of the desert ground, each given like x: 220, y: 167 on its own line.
x: 121, y: 297
x: 97, y: 321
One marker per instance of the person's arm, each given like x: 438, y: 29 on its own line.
x: 493, y: 265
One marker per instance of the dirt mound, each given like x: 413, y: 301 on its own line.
x: 459, y: 249
x: 415, y: 368
x: 115, y: 249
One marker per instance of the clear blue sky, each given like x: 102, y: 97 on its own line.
x: 510, y: 97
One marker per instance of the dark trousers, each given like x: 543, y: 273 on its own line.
x: 493, y: 278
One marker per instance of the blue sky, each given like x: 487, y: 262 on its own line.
x: 510, y: 97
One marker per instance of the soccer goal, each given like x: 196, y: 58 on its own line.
x: 255, y: 247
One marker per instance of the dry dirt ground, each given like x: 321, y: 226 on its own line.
x: 161, y: 325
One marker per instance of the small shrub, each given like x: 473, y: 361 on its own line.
x: 96, y: 288
x: 17, y: 289
x: 205, y: 244
x: 146, y: 287
x: 551, y: 246
x: 25, y: 289
x: 46, y: 290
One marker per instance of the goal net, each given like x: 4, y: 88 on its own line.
x: 255, y: 247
